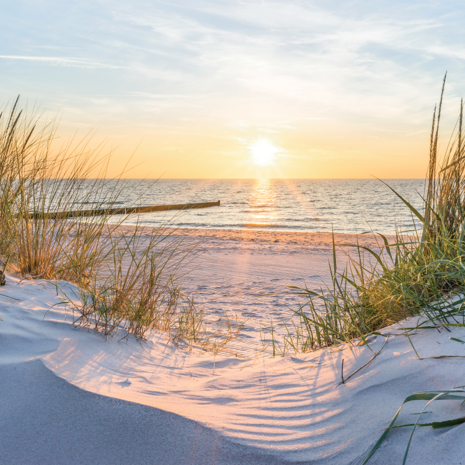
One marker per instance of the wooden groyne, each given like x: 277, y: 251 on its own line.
x: 121, y: 211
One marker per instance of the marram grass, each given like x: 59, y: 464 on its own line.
x: 125, y: 282
x: 413, y: 276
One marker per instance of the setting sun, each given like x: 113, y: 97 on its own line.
x: 263, y: 152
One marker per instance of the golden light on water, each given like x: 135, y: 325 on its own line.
x: 263, y: 152
x: 262, y: 204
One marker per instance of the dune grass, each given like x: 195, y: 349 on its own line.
x: 430, y: 397
x: 126, y: 282
x: 415, y: 275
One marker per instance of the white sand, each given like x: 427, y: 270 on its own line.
x: 68, y: 396
x: 247, y: 273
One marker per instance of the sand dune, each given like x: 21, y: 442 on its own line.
x: 68, y: 396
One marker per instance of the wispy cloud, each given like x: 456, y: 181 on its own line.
x: 336, y: 59
x: 63, y: 61
x: 171, y: 96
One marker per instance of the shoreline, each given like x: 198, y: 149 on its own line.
x: 316, y: 239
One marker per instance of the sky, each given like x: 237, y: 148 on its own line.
x: 241, y: 89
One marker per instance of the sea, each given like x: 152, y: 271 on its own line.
x: 339, y: 205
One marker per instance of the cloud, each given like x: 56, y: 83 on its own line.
x: 334, y: 59
x: 260, y: 63
x: 170, y: 96
x: 63, y: 61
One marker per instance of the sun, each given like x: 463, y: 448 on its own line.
x: 263, y: 152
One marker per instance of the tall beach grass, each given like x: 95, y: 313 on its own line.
x: 414, y: 275
x: 126, y: 280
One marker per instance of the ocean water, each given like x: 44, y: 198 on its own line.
x: 351, y: 206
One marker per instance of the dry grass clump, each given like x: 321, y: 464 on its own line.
x: 415, y: 275
x: 33, y: 178
x: 136, y: 287
x: 125, y: 281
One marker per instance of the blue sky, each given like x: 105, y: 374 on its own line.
x: 335, y: 85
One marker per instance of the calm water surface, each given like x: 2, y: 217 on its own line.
x: 285, y: 205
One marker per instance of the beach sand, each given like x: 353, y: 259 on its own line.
x: 311, y: 239
x: 248, y: 273
x: 69, y: 396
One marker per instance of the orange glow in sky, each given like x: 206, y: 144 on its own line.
x: 240, y: 89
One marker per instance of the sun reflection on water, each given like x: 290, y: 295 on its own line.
x: 262, y: 212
